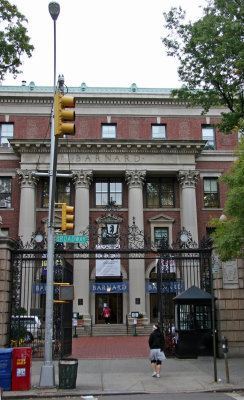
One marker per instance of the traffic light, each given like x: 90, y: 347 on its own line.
x: 61, y: 115
x: 67, y: 217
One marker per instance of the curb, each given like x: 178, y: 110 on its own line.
x: 53, y: 395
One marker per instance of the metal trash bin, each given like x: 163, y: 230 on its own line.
x: 68, y: 373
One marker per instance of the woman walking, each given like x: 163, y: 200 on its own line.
x: 156, y: 344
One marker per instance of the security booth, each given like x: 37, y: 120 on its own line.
x: 193, y: 324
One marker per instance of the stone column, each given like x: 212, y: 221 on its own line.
x: 135, y: 180
x: 27, y: 217
x: 188, y: 180
x: 6, y: 245
x: 82, y: 180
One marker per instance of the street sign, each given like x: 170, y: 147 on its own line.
x: 70, y: 239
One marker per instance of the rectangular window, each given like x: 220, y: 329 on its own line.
x: 158, y: 131
x: 109, y: 190
x: 159, y: 234
x: 209, y: 135
x: 160, y: 192
x: 211, y: 193
x: 5, y: 192
x: 6, y: 132
x: 62, y: 192
x: 109, y: 131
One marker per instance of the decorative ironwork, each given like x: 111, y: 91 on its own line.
x: 184, y: 240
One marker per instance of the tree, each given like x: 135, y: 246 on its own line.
x: 14, y: 41
x: 211, y: 55
x: 228, y: 236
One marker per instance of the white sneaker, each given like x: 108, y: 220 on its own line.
x: 158, y: 376
x: 154, y: 374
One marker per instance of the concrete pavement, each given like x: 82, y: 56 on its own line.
x: 131, y: 373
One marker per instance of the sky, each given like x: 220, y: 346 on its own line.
x: 103, y: 43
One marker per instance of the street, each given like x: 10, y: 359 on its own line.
x: 156, y: 396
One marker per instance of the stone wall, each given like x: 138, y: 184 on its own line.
x: 229, y: 291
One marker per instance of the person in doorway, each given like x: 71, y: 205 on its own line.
x: 156, y: 344
x: 106, y: 314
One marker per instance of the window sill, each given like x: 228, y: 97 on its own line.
x: 211, y: 209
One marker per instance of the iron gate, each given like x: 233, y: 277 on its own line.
x: 27, y: 321
x: 177, y: 267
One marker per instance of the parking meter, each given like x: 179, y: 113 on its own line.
x: 224, y: 342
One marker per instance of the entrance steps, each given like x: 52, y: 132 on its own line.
x: 113, y: 330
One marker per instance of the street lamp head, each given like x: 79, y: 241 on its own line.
x: 54, y: 9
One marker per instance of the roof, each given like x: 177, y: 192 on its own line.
x: 193, y: 293
x: 24, y: 88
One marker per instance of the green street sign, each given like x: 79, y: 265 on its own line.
x: 70, y: 239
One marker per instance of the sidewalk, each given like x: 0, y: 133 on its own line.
x: 121, y: 365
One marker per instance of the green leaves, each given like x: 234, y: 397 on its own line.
x: 14, y: 41
x: 229, y: 235
x: 210, y: 52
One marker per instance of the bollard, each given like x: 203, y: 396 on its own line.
x: 135, y: 323
x: 225, y: 349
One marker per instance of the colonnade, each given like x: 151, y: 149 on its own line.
x: 135, y: 180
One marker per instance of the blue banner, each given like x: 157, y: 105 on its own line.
x: 114, y: 287
x: 167, y: 287
x: 40, y: 288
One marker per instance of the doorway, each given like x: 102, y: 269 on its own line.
x: 113, y: 301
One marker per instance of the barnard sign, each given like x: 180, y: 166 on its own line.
x: 115, y: 287
x: 167, y: 287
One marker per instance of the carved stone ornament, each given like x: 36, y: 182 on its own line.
x: 230, y: 274
x: 188, y: 178
x: 82, y: 178
x: 26, y: 178
x: 135, y: 178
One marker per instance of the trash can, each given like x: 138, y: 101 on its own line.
x: 6, y: 368
x: 68, y: 373
x: 21, y: 370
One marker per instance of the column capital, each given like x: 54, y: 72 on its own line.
x: 135, y: 178
x: 26, y: 179
x: 188, y: 178
x: 82, y: 178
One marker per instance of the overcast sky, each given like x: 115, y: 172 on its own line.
x: 111, y: 43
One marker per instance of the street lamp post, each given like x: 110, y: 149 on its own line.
x: 47, y: 378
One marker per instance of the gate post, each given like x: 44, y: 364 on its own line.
x: 6, y: 246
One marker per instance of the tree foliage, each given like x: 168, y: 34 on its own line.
x: 211, y: 55
x: 229, y: 234
x: 14, y: 41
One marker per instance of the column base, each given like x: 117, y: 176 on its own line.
x: 47, y: 378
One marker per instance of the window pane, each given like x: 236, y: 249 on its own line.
x: 62, y: 192
x: 211, y: 196
x: 167, y: 194
x: 108, y: 131
x: 208, y: 134
x: 63, y: 189
x: 5, y: 192
x: 152, y: 194
x: 160, y: 233
x: 6, y: 132
x: 101, y: 193
x: 158, y: 131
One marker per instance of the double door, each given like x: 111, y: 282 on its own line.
x: 115, y: 302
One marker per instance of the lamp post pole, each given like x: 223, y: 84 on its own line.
x: 47, y: 378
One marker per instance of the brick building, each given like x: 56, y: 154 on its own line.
x: 159, y: 161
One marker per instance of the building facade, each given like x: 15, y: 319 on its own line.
x: 158, y: 160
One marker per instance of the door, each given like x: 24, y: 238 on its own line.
x: 114, y: 302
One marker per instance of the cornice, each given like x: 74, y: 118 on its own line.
x: 84, y: 146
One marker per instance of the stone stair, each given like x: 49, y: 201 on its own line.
x: 113, y: 330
